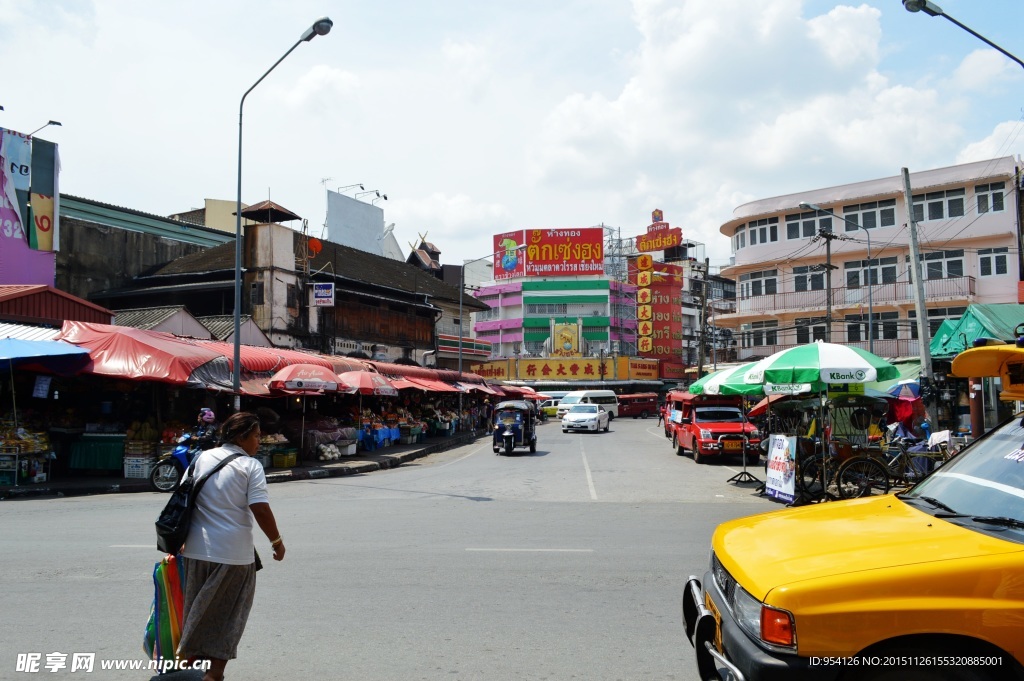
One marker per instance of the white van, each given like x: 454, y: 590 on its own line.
x: 606, y: 398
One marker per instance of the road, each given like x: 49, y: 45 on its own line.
x: 564, y: 564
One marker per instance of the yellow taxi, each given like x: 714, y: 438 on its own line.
x: 927, y: 584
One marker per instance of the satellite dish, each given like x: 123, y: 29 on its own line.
x: 315, y: 246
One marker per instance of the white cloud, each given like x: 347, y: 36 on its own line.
x: 982, y: 69
x: 848, y: 36
x: 468, y: 67
x: 1005, y: 138
x: 322, y: 85
x: 446, y: 219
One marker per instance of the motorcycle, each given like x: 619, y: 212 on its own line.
x: 166, y: 474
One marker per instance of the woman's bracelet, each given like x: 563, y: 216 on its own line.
x: 276, y: 541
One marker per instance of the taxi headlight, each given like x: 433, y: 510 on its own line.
x: 763, y: 622
x: 747, y: 610
x: 705, y: 434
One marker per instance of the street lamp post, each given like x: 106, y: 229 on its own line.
x: 48, y: 124
x: 870, y: 277
x: 933, y: 10
x: 320, y: 27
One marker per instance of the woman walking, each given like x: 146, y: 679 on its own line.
x: 219, y: 553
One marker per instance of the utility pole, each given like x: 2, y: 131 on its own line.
x: 827, y: 235
x: 923, y: 330
x: 703, y: 315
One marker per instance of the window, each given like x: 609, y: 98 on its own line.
x: 936, y: 315
x: 990, y: 196
x: 806, y: 225
x: 763, y: 231
x: 992, y: 261
x: 885, y: 323
x: 943, y: 264
x: 809, y: 329
x: 805, y: 278
x: 870, y: 215
x: 740, y: 240
x: 760, y: 333
x: 862, y: 272
x: 758, y: 283
x: 939, y: 205
x: 547, y: 309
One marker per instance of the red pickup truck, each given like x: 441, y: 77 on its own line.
x: 710, y: 425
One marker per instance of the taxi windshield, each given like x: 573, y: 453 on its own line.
x: 984, y: 484
x: 584, y: 409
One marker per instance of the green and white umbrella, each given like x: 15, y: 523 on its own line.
x: 819, y: 364
x: 726, y: 382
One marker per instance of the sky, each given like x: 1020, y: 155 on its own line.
x: 476, y: 118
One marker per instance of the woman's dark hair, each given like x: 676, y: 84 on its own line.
x: 238, y: 425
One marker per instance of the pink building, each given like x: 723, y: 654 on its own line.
x: 968, y: 225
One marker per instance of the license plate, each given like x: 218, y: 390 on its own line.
x: 710, y: 605
x: 735, y: 445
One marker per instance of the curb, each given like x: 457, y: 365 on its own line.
x: 328, y: 470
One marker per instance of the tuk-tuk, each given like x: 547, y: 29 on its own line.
x: 515, y: 425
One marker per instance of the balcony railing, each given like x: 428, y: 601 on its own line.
x: 958, y: 289
x: 884, y: 347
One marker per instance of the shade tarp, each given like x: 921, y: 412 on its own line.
x: 306, y: 378
x: 996, y: 320
x: 909, y: 371
x: 434, y: 385
x: 127, y: 352
x: 42, y: 355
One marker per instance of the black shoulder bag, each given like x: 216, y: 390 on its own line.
x: 173, y: 523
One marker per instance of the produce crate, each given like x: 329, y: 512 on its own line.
x: 264, y: 460
x: 284, y: 460
x: 138, y: 466
x: 139, y: 448
x: 347, y: 449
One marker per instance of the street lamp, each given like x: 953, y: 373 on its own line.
x: 350, y: 186
x: 48, y: 124
x: 933, y: 10
x: 870, y: 277
x: 370, y: 191
x: 321, y: 26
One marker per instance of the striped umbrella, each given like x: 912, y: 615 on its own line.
x: 821, y: 363
x: 726, y: 382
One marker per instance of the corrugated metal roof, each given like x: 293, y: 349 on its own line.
x: 26, y: 332
x: 41, y: 304
x: 146, y: 317
x: 222, y: 326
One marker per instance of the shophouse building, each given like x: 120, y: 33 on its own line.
x: 804, y: 274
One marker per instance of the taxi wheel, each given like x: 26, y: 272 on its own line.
x: 680, y: 451
x: 698, y: 458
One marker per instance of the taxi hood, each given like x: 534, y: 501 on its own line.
x: 780, y: 548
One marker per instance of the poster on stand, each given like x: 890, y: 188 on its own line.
x: 781, y: 479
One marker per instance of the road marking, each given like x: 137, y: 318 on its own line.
x: 131, y: 546
x: 590, y: 478
x: 535, y: 550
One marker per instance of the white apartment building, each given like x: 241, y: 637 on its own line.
x: 968, y: 219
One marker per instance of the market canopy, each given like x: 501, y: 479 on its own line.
x: 42, y: 355
x: 997, y: 320
x: 819, y: 362
x: 727, y: 381
x: 126, y: 352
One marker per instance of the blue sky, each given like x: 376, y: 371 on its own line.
x: 480, y: 117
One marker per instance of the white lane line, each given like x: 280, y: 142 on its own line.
x: 535, y: 550
x: 590, y: 478
x: 132, y: 546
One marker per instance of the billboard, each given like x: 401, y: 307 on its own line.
x: 549, y: 252
x: 659, y: 299
x: 28, y: 238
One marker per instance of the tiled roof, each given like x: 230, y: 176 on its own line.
x: 27, y: 332
x: 222, y: 326
x: 215, y: 259
x: 146, y: 317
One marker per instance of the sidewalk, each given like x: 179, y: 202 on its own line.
x: 362, y: 462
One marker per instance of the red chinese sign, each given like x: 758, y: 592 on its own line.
x: 659, y: 302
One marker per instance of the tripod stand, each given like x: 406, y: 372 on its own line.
x: 744, y: 476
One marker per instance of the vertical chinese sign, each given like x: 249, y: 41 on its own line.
x: 659, y: 300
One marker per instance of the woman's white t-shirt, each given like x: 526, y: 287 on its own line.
x: 221, y: 530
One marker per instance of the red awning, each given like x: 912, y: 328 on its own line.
x: 404, y: 383
x: 255, y: 359
x: 128, y: 352
x: 434, y: 385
